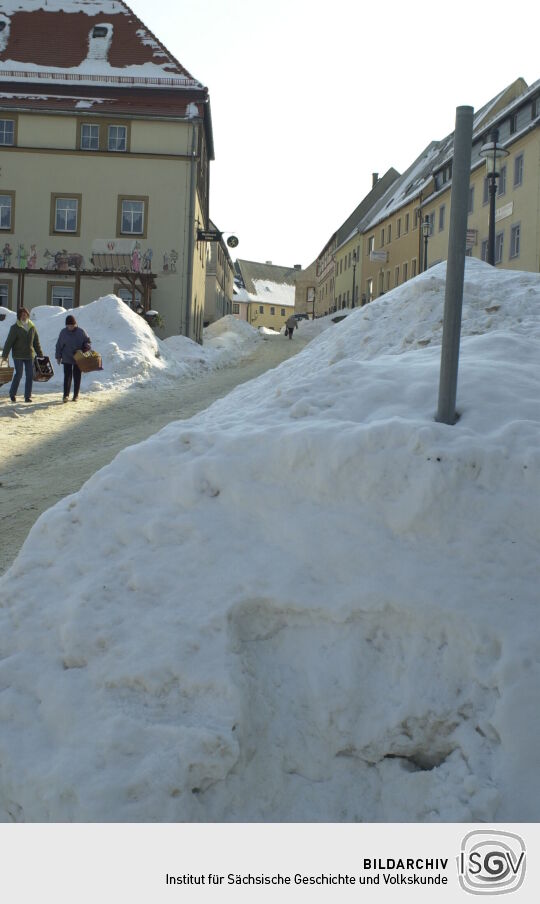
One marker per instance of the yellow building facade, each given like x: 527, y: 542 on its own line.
x: 88, y: 160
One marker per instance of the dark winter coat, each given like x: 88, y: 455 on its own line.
x: 23, y: 344
x: 70, y: 341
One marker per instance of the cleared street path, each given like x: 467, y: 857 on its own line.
x: 48, y: 449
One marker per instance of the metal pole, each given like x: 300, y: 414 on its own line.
x: 353, y: 283
x: 455, y: 267
x: 425, y: 249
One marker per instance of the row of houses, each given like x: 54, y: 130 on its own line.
x: 105, y: 148
x: 382, y: 244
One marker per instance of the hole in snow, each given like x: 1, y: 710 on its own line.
x: 421, y: 761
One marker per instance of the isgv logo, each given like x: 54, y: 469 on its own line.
x: 491, y: 863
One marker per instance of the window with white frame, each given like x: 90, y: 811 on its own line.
x: 371, y: 244
x: 471, y: 199
x: 261, y: 309
x: 405, y: 271
x: 7, y: 131
x: 499, y: 239
x: 282, y: 312
x: 62, y: 296
x: 396, y: 276
x: 132, y: 217
x: 89, y: 137
x: 117, y: 138
x: 389, y: 233
x: 413, y: 267
x: 515, y: 240
x: 235, y: 308
x: 66, y: 214
x: 6, y: 211
x: 272, y: 311
x: 406, y: 222
x: 518, y: 170
x: 484, y: 250
x: 369, y: 289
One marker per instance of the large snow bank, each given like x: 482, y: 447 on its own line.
x: 226, y: 341
x: 229, y: 338
x: 310, y: 602
x: 131, y: 351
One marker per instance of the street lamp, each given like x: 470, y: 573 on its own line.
x: 353, y: 276
x: 492, y: 152
x: 426, y: 232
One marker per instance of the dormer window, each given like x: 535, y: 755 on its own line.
x: 100, y: 31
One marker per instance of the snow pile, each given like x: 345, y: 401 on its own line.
x: 7, y: 317
x: 130, y: 350
x: 310, y: 602
x: 229, y: 339
x: 266, y: 331
x: 312, y: 328
x: 128, y: 346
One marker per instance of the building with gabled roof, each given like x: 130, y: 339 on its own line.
x: 104, y: 137
x: 396, y: 249
x: 264, y: 293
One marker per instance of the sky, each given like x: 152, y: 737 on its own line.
x: 309, y: 99
x: 311, y: 602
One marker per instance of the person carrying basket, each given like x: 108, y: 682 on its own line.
x: 23, y: 343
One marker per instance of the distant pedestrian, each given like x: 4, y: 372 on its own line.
x: 23, y: 343
x: 71, y: 339
x: 291, y: 324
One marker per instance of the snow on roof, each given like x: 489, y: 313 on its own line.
x: 58, y: 39
x: 273, y: 293
x: 406, y: 187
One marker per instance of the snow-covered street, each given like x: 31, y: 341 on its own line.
x: 49, y: 449
x: 310, y: 602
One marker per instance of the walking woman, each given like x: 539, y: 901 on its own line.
x: 71, y: 339
x: 23, y: 343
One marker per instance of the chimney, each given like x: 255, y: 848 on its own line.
x: 375, y: 179
x: 298, y: 266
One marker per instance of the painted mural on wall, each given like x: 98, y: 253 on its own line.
x: 18, y: 256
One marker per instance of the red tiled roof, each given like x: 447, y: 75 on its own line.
x: 115, y: 101
x: 57, y: 38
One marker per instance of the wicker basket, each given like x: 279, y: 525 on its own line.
x: 6, y: 373
x: 88, y: 361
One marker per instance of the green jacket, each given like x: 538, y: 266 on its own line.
x: 22, y: 344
